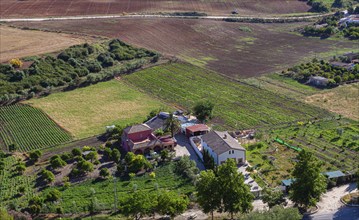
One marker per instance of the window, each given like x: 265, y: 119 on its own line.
x: 232, y: 151
x: 229, y: 152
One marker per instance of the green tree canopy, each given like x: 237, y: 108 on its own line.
x: 272, y: 197
x: 236, y: 196
x: 208, y: 195
x: 138, y: 204
x: 170, y: 203
x: 309, y: 183
x: 275, y: 213
x: 35, y: 155
x: 203, y: 110
x: 172, y: 124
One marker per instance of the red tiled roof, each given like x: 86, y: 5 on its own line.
x: 197, y: 127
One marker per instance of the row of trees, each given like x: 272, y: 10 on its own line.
x: 73, y: 67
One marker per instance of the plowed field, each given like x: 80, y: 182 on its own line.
x: 45, y: 8
x: 235, y: 49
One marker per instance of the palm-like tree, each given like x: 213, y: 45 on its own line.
x: 172, y: 124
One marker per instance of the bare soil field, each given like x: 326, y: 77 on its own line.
x: 46, y: 8
x: 236, y: 49
x: 16, y: 43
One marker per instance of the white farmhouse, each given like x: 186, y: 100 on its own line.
x: 221, y: 146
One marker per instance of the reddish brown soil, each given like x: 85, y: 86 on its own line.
x: 220, y: 46
x: 42, y: 8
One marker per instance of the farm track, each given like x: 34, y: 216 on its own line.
x: 247, y: 19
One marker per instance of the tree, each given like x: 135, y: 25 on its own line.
x: 35, y: 205
x: 16, y: 62
x: 13, y: 147
x: 170, y: 203
x: 187, y: 168
x: 172, y: 124
x: 4, y: 215
x: 104, y: 173
x: 57, y: 162
x: 53, y: 195
x: 275, y: 213
x: 236, y: 196
x: 203, y: 110
x: 357, y: 177
x: 107, y: 153
x: 85, y: 166
x: 208, y: 160
x: 272, y: 197
x: 76, y: 152
x: 309, y: 183
x: 208, y: 194
x: 35, y: 155
x: 116, y: 155
x: 164, y: 154
x: 92, y: 156
x: 20, y: 168
x: 138, y: 204
x: 47, y: 176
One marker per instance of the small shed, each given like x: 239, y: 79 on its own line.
x: 196, y: 130
x: 335, y: 177
x: 318, y: 81
x: 286, y: 184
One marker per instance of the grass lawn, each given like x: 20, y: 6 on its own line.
x: 86, y: 111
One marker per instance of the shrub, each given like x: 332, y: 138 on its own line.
x: 47, y: 176
x: 16, y: 62
x: 53, y: 195
x: 76, y: 152
x: 35, y: 155
x: 104, y: 173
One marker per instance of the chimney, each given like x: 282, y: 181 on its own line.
x: 225, y: 136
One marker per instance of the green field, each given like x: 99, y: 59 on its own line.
x: 237, y: 104
x: 29, y: 128
x: 11, y: 182
x: 78, y: 197
x: 86, y: 111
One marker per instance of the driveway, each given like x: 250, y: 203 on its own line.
x: 330, y: 206
x: 184, y: 148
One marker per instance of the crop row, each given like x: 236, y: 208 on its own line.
x: 333, y: 141
x: 29, y: 128
x: 11, y: 183
x: 240, y: 105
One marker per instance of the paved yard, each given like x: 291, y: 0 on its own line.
x: 184, y: 148
x: 330, y: 206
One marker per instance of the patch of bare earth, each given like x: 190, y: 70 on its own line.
x: 16, y: 43
x: 341, y: 100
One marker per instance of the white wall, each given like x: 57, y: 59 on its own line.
x: 194, y: 146
x: 236, y: 155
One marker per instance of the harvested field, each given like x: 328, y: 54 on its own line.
x: 86, y: 111
x: 235, y: 49
x: 341, y: 100
x: 21, y: 43
x: 42, y: 8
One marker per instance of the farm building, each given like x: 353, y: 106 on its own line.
x: 221, y: 146
x: 158, y: 122
x: 140, y: 139
x: 196, y: 130
x: 336, y: 177
x: 347, y: 66
x: 318, y: 81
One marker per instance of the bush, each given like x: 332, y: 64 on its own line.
x: 53, y: 195
x: 57, y: 162
x: 187, y: 168
x: 35, y: 155
x: 47, y: 176
x: 76, y: 152
x: 16, y: 62
x: 104, y: 173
